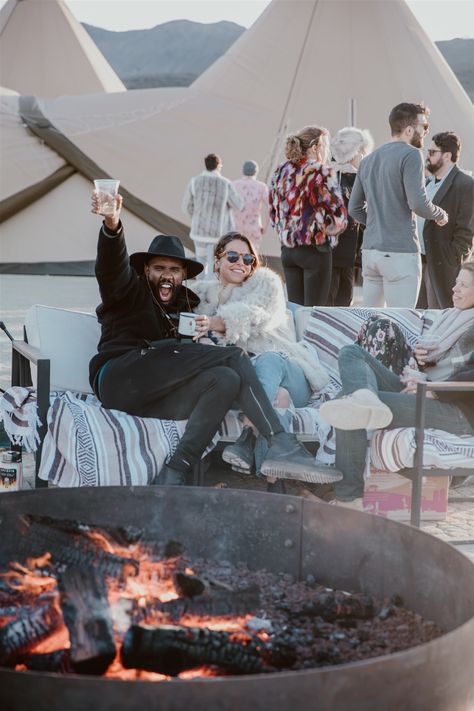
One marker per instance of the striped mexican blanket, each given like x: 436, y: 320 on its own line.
x: 87, y: 445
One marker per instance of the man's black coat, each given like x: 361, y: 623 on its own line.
x: 446, y: 246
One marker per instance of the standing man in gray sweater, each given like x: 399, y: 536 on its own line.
x: 388, y: 192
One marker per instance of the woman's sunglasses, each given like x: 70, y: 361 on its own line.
x: 233, y: 257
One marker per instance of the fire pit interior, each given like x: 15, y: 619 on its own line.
x: 224, y: 595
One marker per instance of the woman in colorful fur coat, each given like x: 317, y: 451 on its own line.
x: 246, y: 307
x: 307, y: 211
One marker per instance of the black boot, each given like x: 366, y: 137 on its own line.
x: 288, y: 459
x: 169, y: 477
x: 240, y: 454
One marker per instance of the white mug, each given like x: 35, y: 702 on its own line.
x: 187, y: 324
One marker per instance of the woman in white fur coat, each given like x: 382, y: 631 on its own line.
x: 245, y: 306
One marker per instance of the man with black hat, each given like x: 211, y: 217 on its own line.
x: 143, y: 368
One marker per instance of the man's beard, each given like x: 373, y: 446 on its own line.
x: 417, y: 140
x: 432, y: 168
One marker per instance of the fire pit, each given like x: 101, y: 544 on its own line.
x: 287, y: 535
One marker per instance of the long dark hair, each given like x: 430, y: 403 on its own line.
x: 219, y: 249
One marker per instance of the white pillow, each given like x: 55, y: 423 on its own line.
x: 69, y: 339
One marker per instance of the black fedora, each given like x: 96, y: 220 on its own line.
x: 166, y: 246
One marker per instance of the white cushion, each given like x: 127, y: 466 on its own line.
x: 69, y: 339
x: 301, y: 317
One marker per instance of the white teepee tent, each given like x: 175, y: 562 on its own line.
x: 328, y: 62
x: 45, y: 51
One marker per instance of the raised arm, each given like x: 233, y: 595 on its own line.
x: 414, y: 183
x: 115, y: 276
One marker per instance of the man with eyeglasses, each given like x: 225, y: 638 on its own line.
x: 444, y: 248
x: 388, y: 192
x: 145, y: 369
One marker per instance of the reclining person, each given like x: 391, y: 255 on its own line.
x: 144, y: 369
x: 375, y: 397
x: 246, y: 307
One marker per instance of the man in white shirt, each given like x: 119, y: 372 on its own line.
x: 209, y: 198
x: 445, y: 246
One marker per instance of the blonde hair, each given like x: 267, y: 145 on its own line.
x: 297, y: 144
x: 350, y: 141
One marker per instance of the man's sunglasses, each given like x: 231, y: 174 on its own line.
x: 424, y: 126
x: 233, y: 257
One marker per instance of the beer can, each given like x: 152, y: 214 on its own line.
x: 10, y: 471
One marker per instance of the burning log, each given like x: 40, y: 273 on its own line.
x: 171, y: 649
x: 219, y: 603
x: 87, y: 616
x: 123, y: 535
x: 23, y: 633
x: 71, y: 550
x: 58, y: 661
x: 335, y: 605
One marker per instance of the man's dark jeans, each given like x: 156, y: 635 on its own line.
x: 137, y: 383
x: 359, y: 369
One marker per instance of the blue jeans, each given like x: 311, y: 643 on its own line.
x: 359, y: 369
x: 275, y: 369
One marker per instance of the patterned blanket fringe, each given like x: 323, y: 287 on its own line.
x: 26, y: 437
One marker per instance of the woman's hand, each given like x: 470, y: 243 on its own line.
x: 332, y: 229
x: 204, y: 324
x: 421, y: 354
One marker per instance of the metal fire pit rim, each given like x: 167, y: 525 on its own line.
x: 380, y: 660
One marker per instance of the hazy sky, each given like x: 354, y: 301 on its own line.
x: 442, y: 19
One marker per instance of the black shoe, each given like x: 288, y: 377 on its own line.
x: 240, y: 454
x: 169, y: 477
x: 288, y: 459
x: 276, y: 487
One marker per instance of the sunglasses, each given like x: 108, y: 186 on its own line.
x: 233, y: 258
x: 424, y: 126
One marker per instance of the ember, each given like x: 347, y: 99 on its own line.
x: 111, y: 602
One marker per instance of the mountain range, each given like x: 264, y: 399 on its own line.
x: 175, y: 53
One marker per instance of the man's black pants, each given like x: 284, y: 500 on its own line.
x: 151, y: 383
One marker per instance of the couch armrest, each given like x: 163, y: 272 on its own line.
x: 22, y: 355
x: 31, y: 353
x: 420, y: 413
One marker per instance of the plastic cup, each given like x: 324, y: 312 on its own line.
x: 107, y: 191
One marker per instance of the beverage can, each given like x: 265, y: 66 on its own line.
x: 10, y: 471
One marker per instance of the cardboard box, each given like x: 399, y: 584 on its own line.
x: 389, y: 494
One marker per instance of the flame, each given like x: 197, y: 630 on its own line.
x: 133, y: 593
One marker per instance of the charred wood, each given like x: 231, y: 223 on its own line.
x: 59, y: 662
x: 29, y: 628
x: 171, y: 649
x: 188, y: 585
x: 87, y: 616
x: 219, y: 603
x: 334, y: 605
x: 70, y: 549
x: 123, y: 535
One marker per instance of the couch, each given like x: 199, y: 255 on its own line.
x: 130, y: 450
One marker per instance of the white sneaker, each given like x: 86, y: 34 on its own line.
x: 355, y: 504
x: 362, y: 410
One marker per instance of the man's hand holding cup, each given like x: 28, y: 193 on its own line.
x: 106, y: 201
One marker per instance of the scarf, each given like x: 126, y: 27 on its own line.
x: 450, y: 325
